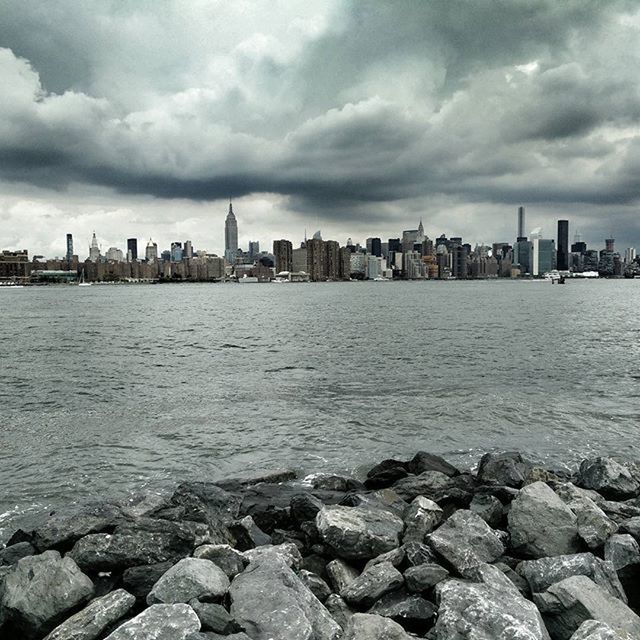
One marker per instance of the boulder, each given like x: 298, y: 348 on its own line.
x: 386, y: 465
x: 594, y: 527
x: 421, y: 517
x: 315, y: 584
x: 257, y: 477
x: 340, y: 574
x: 140, y: 580
x: 594, y: 630
x: 339, y: 610
x: 396, y: 557
x: 489, y: 608
x: 424, y: 576
x: 543, y: 573
x: 568, y: 603
x: 305, y: 506
x: 358, y: 532
x: 367, y: 626
x: 11, y: 555
x: 372, y: 584
x: 609, y: 478
x: 416, y: 553
x: 385, y: 478
x: 619, y: 511
x: 489, y: 508
x: 214, y: 617
x: 631, y: 526
x: 622, y: 550
x: 411, y: 611
x: 159, y: 622
x: 203, y: 502
x: 248, y: 535
x: 424, y: 461
x: 185, y: 534
x: 287, y: 552
x: 188, y: 579
x: 41, y: 590
x: 96, y: 618
x: 541, y: 524
x: 209, y: 635
x: 269, y: 505
x: 464, y: 541
x: 508, y: 468
x: 333, y: 482
x: 232, y: 562
x: 436, y: 486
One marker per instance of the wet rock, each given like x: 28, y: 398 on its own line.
x: 424, y: 461
x: 332, y: 482
x: 358, y: 532
x: 464, y: 541
x: 268, y: 505
x: 214, y: 617
x: 367, y: 626
x: 185, y: 535
x: 541, y: 524
x: 15, y: 552
x: 315, y: 584
x: 489, y: 508
x: 421, y: 517
x: 287, y: 553
x: 385, y: 478
x: 97, y: 617
x: 269, y: 601
x: 188, y: 579
x: 567, y: 604
x: 411, y: 611
x: 248, y: 535
x: 437, y: 487
x: 159, y: 622
x: 257, y: 477
x: 594, y: 630
x: 232, y: 562
x: 540, y: 474
x: 341, y: 574
x: 382, y: 499
x: 424, y: 576
x: 140, y: 580
x: 507, y: 469
x: 305, y: 506
x: 386, y: 465
x: 491, y: 607
x: 40, y: 590
x: 372, y: 584
x: 340, y: 611
x: 543, y: 573
x: 608, y: 477
x: 622, y: 550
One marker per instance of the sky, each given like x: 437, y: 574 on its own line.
x: 142, y: 118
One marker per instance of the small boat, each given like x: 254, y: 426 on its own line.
x: 82, y: 283
x: 245, y: 278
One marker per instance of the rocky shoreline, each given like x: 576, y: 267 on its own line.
x: 419, y: 549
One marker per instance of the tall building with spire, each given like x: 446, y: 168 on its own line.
x: 230, y: 236
x: 94, y: 249
x: 420, y: 232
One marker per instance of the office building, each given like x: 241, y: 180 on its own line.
x: 543, y: 256
x: 609, y: 245
x: 374, y: 246
x: 521, y: 230
x: 299, y: 260
x: 629, y: 255
x: 283, y: 254
x: 176, y: 252
x: 254, y: 249
x: 187, y: 250
x: 94, y: 249
x: 69, y: 250
x: 316, y: 260
x: 230, y: 236
x: 114, y: 255
x: 151, y: 252
x: 332, y: 259
x: 132, y: 249
x: 459, y: 258
x: 522, y: 255
x: 563, y: 245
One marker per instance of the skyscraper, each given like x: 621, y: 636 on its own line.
x: 283, y: 252
x: 521, y: 231
x: 254, y: 249
x: 230, y: 236
x: 132, y: 249
x: 563, y: 245
x: 94, y: 249
x: 609, y: 244
x: 69, y: 249
x: 151, y: 252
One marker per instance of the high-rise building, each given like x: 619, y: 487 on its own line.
x: 332, y: 259
x: 459, y: 260
x: 151, y: 252
x: 187, y: 251
x: 421, y: 235
x: 521, y: 231
x: 69, y: 249
x: 283, y: 252
x: 629, y: 255
x: 176, y: 252
x: 114, y: 255
x: 374, y: 246
x: 230, y: 236
x: 132, y: 249
x: 543, y: 256
x: 316, y: 260
x: 563, y: 245
x: 522, y: 255
x: 254, y: 249
x: 299, y: 262
x: 94, y: 249
x: 609, y: 245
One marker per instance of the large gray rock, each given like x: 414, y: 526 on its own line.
x: 594, y: 630
x: 489, y: 508
x: 567, y: 604
x: 372, y: 584
x: 464, y: 541
x: 367, y: 626
x: 424, y: 461
x: 508, y: 469
x: 40, y: 590
x: 421, y: 517
x: 434, y: 485
x: 232, y: 562
x: 341, y: 574
x: 358, y: 532
x: 98, y: 616
x: 411, y: 611
x: 269, y: 601
x: 610, y: 478
x: 190, y: 578
x: 159, y: 622
x: 214, y: 617
x: 288, y: 552
x: 542, y: 573
x: 424, y: 576
x: 140, y: 580
x: 631, y: 526
x: 340, y: 611
x: 541, y: 524
x: 622, y: 550
x: 315, y: 584
x: 490, y: 608
x: 15, y: 552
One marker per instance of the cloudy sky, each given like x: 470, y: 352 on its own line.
x: 142, y: 117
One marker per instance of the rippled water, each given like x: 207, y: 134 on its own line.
x: 109, y: 388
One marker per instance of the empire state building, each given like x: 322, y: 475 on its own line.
x: 230, y: 236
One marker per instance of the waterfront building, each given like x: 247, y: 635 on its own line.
x: 409, y: 239
x: 543, y: 256
x: 609, y: 245
x: 176, y: 252
x: 151, y: 252
x: 522, y: 255
x: 459, y: 258
x: 374, y: 246
x: 230, y: 236
x: 590, y: 260
x: 521, y: 232
x: 345, y: 263
x: 283, y: 254
x: 332, y: 259
x: 358, y: 265
x: 69, y: 250
x: 563, y: 245
x: 629, y: 255
x: 299, y: 260
x: 316, y: 260
x: 372, y: 267
x: 15, y: 265
x: 94, y: 249
x: 187, y: 251
x: 114, y: 255
x: 414, y: 268
x: 254, y: 249
x: 132, y: 249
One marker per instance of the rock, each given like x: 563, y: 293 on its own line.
x: 248, y: 535
x: 540, y: 474
x: 332, y: 482
x: 159, y: 622
x: 507, y: 468
x: 622, y: 550
x: 40, y: 590
x: 232, y: 562
x: 101, y: 614
x: 382, y: 499
x: 305, y: 506
x: 188, y: 579
x: 385, y: 478
x: 185, y: 535
x: 315, y: 584
x: 214, y: 617
x: 464, y: 541
x: 204, y: 502
x: 594, y: 630
x: 489, y: 508
x: 287, y: 552
x: 490, y: 608
x: 412, y: 612
x: 396, y: 557
x: 339, y: 610
x: 416, y: 553
x: 608, y: 477
x: 386, y: 465
x: 520, y: 583
x: 209, y: 635
x: 367, y: 626
x: 358, y: 532
x: 424, y: 576
x: 424, y: 461
x: 436, y: 486
x: 541, y: 524
x: 594, y: 527
x: 568, y: 492
x: 257, y: 477
x: 421, y: 517
x: 269, y: 601
x: 341, y: 574
x: 11, y: 555
x: 543, y: 573
x: 140, y: 580
x: 372, y: 584
x: 631, y: 526
x: 619, y: 511
x: 567, y: 604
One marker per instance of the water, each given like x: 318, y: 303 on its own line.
x: 111, y: 388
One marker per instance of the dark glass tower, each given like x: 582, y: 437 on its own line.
x: 69, y: 249
x: 132, y: 245
x: 563, y: 245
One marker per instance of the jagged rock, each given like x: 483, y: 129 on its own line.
x: 40, y: 590
x: 185, y: 535
x: 489, y: 608
x: 386, y: 465
x: 412, y: 612
x: 287, y: 552
x: 508, y: 468
x: 232, y: 562
x: 382, y: 499
x: 339, y: 609
x: 257, y: 477
x: 305, y: 506
x: 520, y: 583
x: 416, y: 553
x: 421, y: 517
x: 489, y: 508
x: 568, y: 492
x: 204, y: 502
x: 188, y: 579
x: 385, y: 478
x: 567, y: 604
x: 436, y: 486
x: 315, y: 584
x: 159, y: 622
x: 15, y: 552
x: 140, y: 580
x: 608, y: 477
x: 358, y: 532
x: 341, y: 574
x: 367, y: 626
x: 464, y: 541
x: 619, y: 511
x: 594, y: 630
x: 269, y: 601
x: 542, y: 573
x: 424, y: 576
x: 540, y: 474
x: 333, y: 482
x: 248, y: 535
x: 505, y: 494
x: 396, y: 557
x: 541, y: 524
x: 622, y: 550
x: 214, y: 617
x: 372, y: 584
x: 209, y: 635
x: 101, y: 614
x: 424, y: 461
x: 269, y: 505
x: 280, y: 536
x: 631, y: 526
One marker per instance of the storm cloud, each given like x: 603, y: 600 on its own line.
x: 357, y: 117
